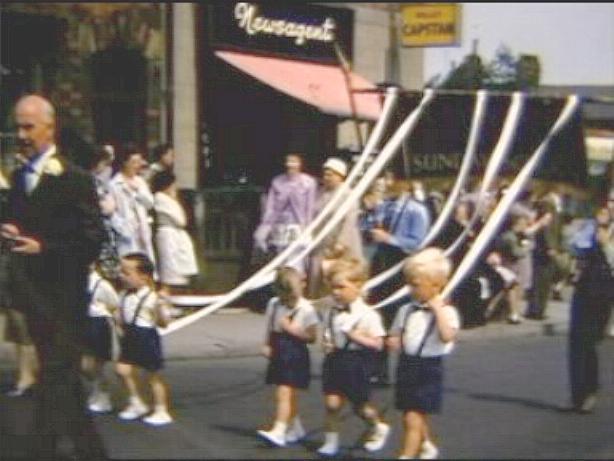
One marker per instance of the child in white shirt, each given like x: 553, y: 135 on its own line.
x: 142, y: 310
x: 424, y: 331
x: 352, y: 329
x: 291, y: 324
x: 100, y: 339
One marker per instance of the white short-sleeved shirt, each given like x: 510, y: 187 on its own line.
x: 146, y: 317
x: 303, y: 314
x: 104, y: 298
x: 359, y: 315
x: 416, y: 326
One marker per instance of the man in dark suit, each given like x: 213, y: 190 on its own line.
x: 54, y: 229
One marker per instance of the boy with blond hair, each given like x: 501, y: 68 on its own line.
x: 424, y: 331
x: 351, y: 330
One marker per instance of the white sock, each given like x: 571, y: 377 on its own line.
x: 160, y: 409
x: 331, y: 439
x: 279, y: 427
x: 136, y: 400
x: 297, y: 425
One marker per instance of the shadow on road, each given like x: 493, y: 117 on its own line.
x: 514, y: 400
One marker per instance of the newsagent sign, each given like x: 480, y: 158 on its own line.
x: 300, y: 31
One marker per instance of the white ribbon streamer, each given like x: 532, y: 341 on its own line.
x: 496, y: 218
x: 265, y: 275
x: 572, y: 103
x: 465, y: 170
x: 495, y: 162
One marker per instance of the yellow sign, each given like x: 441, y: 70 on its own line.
x: 430, y: 24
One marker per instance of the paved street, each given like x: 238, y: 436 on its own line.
x: 504, y: 384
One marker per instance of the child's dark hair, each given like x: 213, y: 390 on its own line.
x: 158, y: 151
x: 143, y: 264
x: 100, y: 153
x: 162, y: 180
x: 127, y: 151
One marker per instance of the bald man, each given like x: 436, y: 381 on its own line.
x: 55, y: 231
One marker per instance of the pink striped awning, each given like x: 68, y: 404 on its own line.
x: 323, y: 86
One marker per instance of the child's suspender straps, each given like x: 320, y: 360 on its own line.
x: 397, y: 218
x: 139, y: 307
x: 429, y: 330
x: 272, y: 319
x: 93, y: 292
x: 410, y: 310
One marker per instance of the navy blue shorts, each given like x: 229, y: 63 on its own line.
x: 419, y: 384
x: 289, y: 364
x: 347, y: 373
x: 98, y: 337
x: 142, y: 347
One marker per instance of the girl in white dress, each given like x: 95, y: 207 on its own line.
x: 176, y: 258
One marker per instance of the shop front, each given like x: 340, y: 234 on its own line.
x: 272, y: 83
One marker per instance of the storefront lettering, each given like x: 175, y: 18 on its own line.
x: 429, y: 29
x: 247, y: 17
x: 435, y: 163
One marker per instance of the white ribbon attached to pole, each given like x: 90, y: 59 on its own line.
x: 463, y: 175
x: 265, y: 275
x: 466, y: 263
x: 495, y: 162
x: 378, y: 165
x: 508, y: 199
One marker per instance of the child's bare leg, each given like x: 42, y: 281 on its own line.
x: 27, y: 365
x: 128, y: 374
x: 293, y: 403
x: 369, y: 413
x: 159, y: 391
x: 88, y: 366
x: 283, y: 400
x: 413, y: 423
x: 334, y: 403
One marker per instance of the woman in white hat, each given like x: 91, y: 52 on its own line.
x: 345, y: 233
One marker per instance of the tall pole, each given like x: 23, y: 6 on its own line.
x: 392, y: 55
x: 345, y: 69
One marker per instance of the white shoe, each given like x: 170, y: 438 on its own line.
x: 102, y: 404
x: 295, y: 433
x: 133, y: 411
x: 274, y: 437
x: 378, y: 437
x: 158, y: 418
x: 428, y: 450
x: 331, y: 444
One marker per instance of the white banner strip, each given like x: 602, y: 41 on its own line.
x: 508, y: 200
x: 493, y: 167
x: 264, y: 275
x: 463, y: 175
x: 365, y: 182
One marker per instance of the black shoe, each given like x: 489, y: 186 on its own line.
x: 20, y: 392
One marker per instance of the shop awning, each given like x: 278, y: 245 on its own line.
x: 320, y: 85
